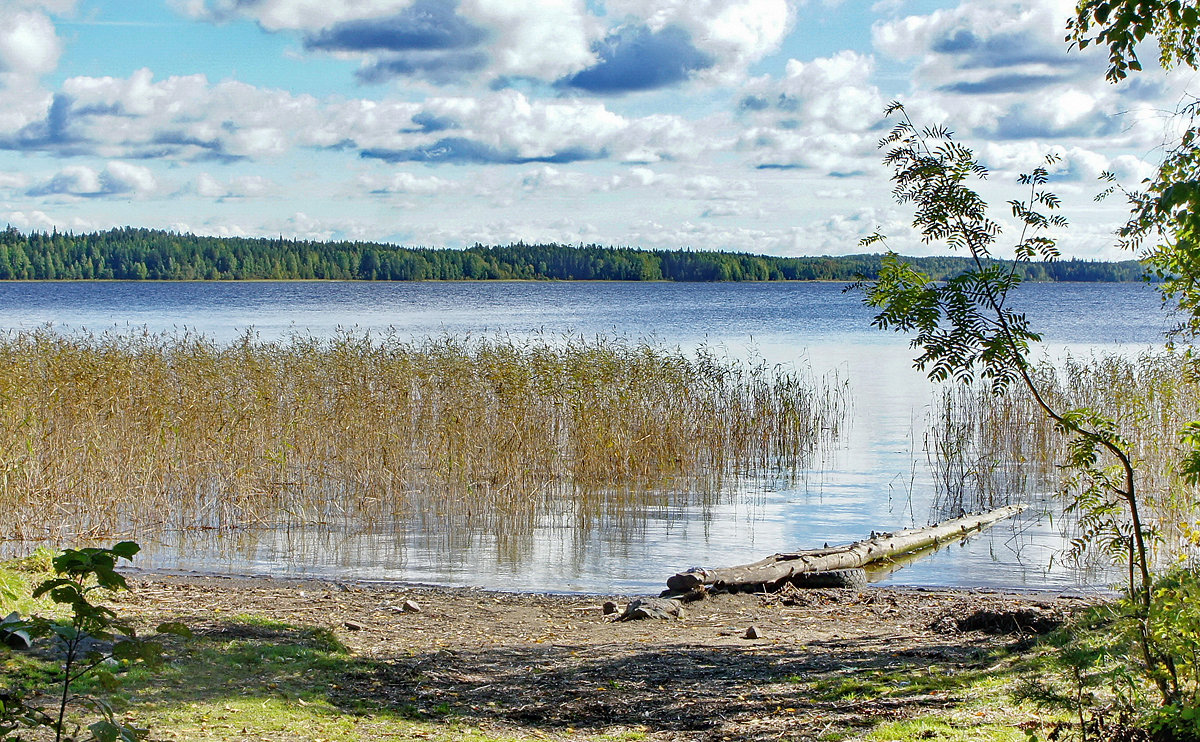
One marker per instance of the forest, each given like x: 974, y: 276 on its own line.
x: 146, y: 254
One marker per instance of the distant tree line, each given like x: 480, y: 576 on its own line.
x: 146, y: 254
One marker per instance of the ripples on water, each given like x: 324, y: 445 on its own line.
x: 875, y: 478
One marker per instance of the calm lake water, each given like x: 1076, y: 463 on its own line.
x: 874, y: 478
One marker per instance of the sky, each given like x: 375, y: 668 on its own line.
x: 744, y: 125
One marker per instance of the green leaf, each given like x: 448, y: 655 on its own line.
x: 106, y: 679
x: 177, y: 628
x: 129, y: 649
x: 126, y: 549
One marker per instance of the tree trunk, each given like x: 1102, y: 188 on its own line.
x: 775, y: 571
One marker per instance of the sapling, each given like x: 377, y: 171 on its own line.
x: 965, y: 328
x: 89, y: 639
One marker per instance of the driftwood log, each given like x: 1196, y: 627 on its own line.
x: 777, y: 570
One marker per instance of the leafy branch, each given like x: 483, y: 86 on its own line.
x: 964, y: 328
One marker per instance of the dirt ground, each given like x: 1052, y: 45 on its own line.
x: 557, y: 665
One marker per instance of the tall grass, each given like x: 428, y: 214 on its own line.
x: 990, y: 450
x: 104, y: 435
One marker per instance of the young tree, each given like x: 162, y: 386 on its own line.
x: 965, y: 328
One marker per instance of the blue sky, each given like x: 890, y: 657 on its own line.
x: 746, y: 125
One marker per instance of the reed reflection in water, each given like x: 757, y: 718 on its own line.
x: 434, y: 442
x: 988, y: 451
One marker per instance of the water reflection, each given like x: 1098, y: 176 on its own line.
x: 875, y: 476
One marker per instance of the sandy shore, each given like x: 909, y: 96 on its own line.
x: 557, y: 665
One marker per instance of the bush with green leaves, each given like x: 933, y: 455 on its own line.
x: 92, y: 641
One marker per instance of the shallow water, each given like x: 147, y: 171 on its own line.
x: 874, y: 478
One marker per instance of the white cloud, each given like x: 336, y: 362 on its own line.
x: 116, y: 180
x: 510, y: 120
x: 821, y: 114
x: 407, y: 183
x: 246, y: 186
x: 552, y: 178
x: 543, y: 39
x: 735, y: 32
x: 834, y: 92
x: 13, y: 180
x: 28, y: 221
x: 187, y: 118
x: 135, y: 178
x: 540, y: 39
x: 291, y: 15
x: 29, y: 45
x: 714, y: 188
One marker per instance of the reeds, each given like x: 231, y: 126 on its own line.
x: 117, y: 434
x: 988, y: 450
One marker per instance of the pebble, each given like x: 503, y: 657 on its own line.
x: 410, y: 606
x: 753, y: 633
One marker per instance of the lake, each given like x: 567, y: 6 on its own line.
x: 874, y: 478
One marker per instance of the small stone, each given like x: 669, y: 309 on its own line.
x: 753, y: 633
x: 657, y: 608
x: 16, y: 639
x: 609, y: 607
x: 410, y: 606
x: 351, y: 626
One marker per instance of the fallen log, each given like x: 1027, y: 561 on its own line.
x: 777, y: 570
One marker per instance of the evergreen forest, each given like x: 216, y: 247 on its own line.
x: 146, y: 254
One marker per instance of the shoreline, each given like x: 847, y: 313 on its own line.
x: 1095, y: 593
x: 523, y: 666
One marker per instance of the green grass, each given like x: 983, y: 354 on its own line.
x: 947, y: 730
x: 271, y: 681
x: 18, y: 577
x: 251, y: 677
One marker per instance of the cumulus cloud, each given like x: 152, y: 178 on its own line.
x: 428, y: 123
x: 188, y: 119
x: 437, y: 68
x: 299, y: 226
x: 1002, y: 71
x: 29, y: 49
x: 29, y: 46
x: 246, y: 186
x: 439, y: 40
x: 631, y: 45
x: 554, y: 179
x: 507, y: 127
x: 713, y: 188
x: 463, y: 151
x: 116, y: 179
x: 426, y: 25
x: 291, y: 15
x: 822, y: 114
x: 733, y: 33
x: 49, y: 132
x: 636, y: 58
x: 540, y: 39
x: 427, y: 39
x: 406, y: 183
x: 13, y: 181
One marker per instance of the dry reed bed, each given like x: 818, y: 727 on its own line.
x: 988, y: 451
x: 102, y: 435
